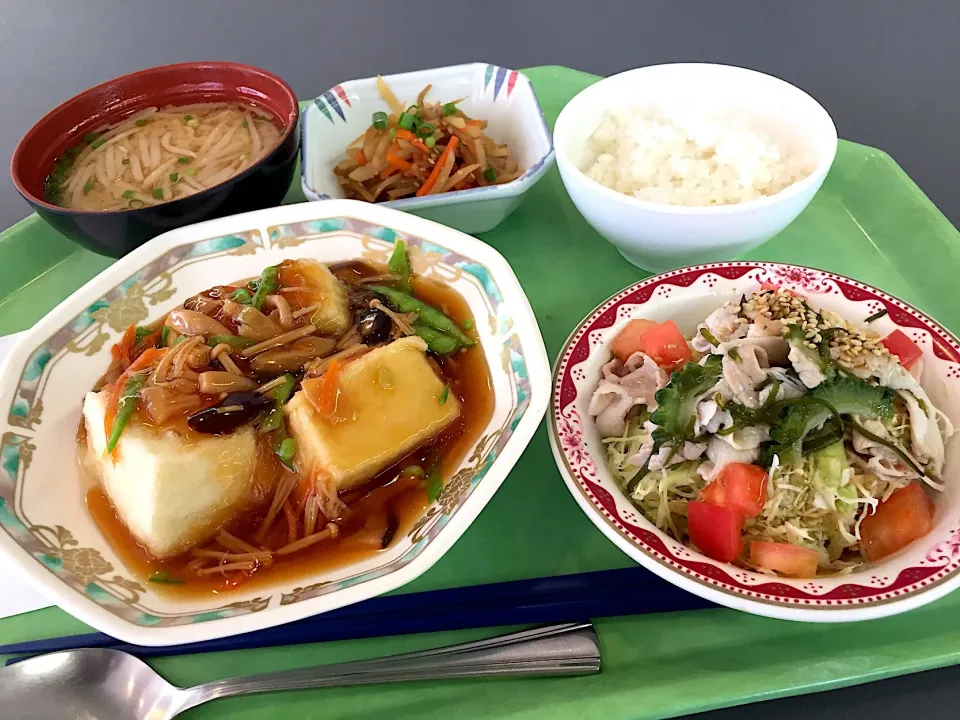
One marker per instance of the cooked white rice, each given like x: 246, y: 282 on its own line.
x: 684, y: 158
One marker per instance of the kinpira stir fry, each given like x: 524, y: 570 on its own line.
x: 306, y: 416
x: 422, y: 149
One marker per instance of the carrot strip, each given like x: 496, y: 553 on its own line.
x: 125, y: 345
x: 388, y: 170
x: 329, y: 389
x: 398, y: 162
x: 360, y: 157
x: 150, y: 356
x: 412, y: 139
x: 435, y: 174
x: 111, y: 395
x: 153, y: 338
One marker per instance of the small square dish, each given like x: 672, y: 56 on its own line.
x: 53, y: 527
x: 503, y: 98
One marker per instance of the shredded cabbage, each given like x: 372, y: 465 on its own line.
x: 622, y: 448
x: 815, y: 503
x: 663, y: 495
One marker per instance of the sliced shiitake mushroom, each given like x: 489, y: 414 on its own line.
x: 234, y: 411
x: 191, y: 322
x: 292, y: 356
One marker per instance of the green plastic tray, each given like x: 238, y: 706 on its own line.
x: 869, y: 221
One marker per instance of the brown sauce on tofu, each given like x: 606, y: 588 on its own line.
x: 379, y: 512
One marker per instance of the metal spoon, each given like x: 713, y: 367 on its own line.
x: 103, y: 684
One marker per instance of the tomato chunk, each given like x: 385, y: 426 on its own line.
x: 715, y: 530
x: 627, y: 341
x: 905, y: 516
x: 739, y: 486
x: 666, y: 345
x: 906, y: 350
x: 784, y: 558
x: 661, y: 341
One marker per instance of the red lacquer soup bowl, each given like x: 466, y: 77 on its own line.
x: 262, y: 184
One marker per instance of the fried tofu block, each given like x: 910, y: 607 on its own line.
x: 389, y: 404
x: 323, y: 289
x: 170, y: 492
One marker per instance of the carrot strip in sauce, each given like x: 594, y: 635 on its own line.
x: 148, y: 358
x: 435, y: 174
x: 111, y: 394
x: 125, y: 346
x: 360, y: 157
x: 153, y: 338
x: 329, y: 388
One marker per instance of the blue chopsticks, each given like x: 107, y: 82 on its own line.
x: 564, y: 598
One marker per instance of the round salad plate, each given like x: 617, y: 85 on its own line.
x: 46, y: 531
x: 918, y: 574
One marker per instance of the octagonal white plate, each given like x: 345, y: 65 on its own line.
x: 45, y: 528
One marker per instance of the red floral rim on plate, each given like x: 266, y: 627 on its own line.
x: 938, y: 564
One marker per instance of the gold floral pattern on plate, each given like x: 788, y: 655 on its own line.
x: 86, y: 565
x: 25, y: 448
x: 256, y: 604
x: 122, y: 312
x: 302, y: 593
x: 32, y: 417
x: 455, y: 488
